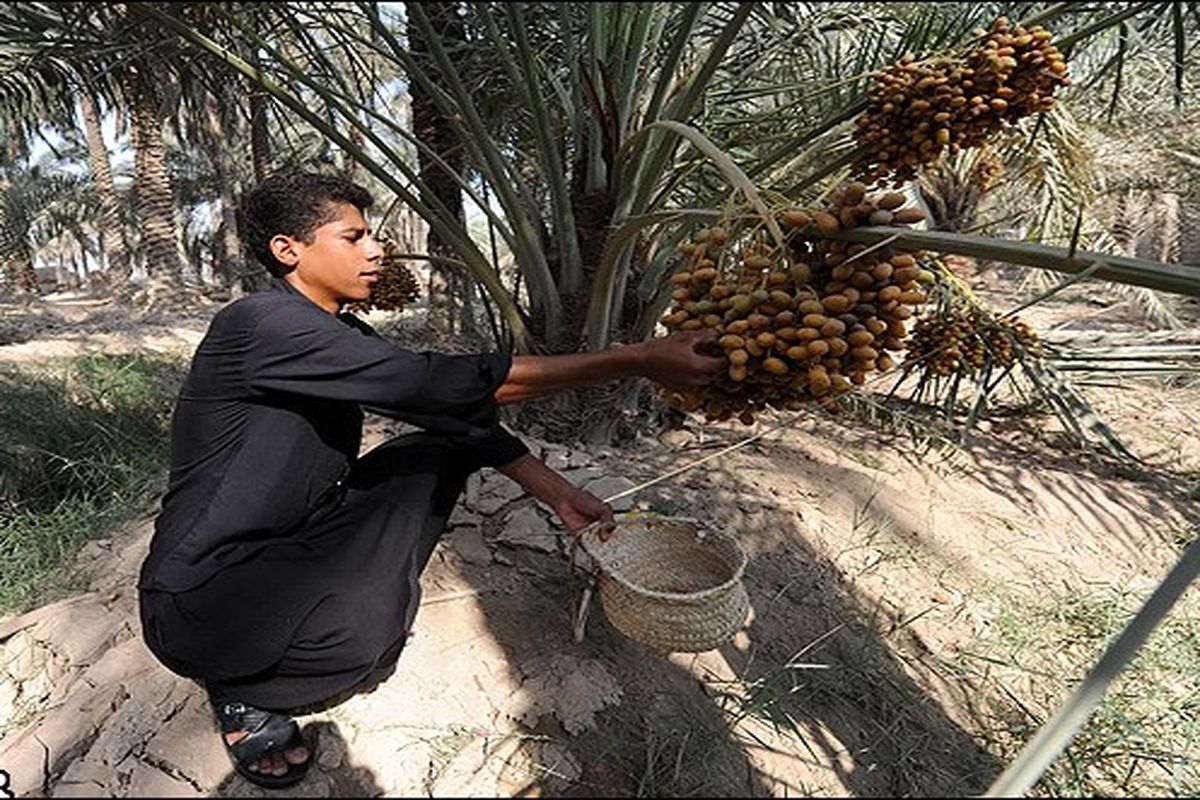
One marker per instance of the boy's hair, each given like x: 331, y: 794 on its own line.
x: 294, y: 204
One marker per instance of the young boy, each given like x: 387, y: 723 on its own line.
x: 284, y: 567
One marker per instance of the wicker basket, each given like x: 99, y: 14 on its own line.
x: 668, y: 587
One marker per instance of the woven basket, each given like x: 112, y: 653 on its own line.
x: 667, y: 587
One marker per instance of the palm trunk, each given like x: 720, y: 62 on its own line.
x: 112, y: 233
x: 154, y: 198
x: 1169, y: 243
x: 23, y: 275
x: 448, y: 288
x: 225, y: 238
x: 260, y: 137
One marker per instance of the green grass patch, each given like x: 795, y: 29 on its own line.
x: 83, y: 445
x: 1144, y: 740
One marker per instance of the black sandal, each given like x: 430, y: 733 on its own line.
x: 266, y: 733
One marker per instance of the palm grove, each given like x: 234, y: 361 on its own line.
x: 586, y: 140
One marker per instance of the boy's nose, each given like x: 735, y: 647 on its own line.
x: 374, y: 250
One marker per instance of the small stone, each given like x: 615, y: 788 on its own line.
x: 469, y: 543
x: 331, y: 748
x: 527, y: 528
x: 676, y: 438
x: 607, y: 486
x: 557, y: 459
x: 579, y: 458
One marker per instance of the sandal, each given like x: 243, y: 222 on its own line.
x: 266, y: 733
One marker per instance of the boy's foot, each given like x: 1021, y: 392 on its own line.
x: 266, y: 748
x: 274, y: 763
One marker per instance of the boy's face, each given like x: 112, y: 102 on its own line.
x: 338, y: 266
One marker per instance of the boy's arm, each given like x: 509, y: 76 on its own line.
x: 671, y: 361
x: 575, y: 507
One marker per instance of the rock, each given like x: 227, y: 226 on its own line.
x: 23, y: 657
x: 527, y: 528
x: 471, y: 491
x: 495, y: 494
x: 502, y: 486
x: 189, y: 743
x: 120, y: 664
x: 469, y: 543
x: 331, y: 746
x: 582, y: 475
x: 676, y: 438
x: 607, y: 486
x: 579, y: 458
x: 36, y: 690
x: 10, y: 625
x: 85, y: 778
x: 571, y: 688
x: 8, y: 699
x: 557, y: 459
x: 151, y: 701
x: 148, y: 781
x: 83, y: 632
x: 60, y: 738
x: 461, y: 516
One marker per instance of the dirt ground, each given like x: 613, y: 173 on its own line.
x: 876, y: 564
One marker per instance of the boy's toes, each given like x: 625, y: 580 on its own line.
x: 296, y: 755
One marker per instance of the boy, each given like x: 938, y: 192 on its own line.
x: 284, y: 567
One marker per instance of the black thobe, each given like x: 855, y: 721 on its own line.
x: 284, y: 568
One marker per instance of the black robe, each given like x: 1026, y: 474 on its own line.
x: 283, y: 568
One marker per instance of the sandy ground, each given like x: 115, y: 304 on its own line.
x: 875, y: 562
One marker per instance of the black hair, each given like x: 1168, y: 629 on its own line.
x: 293, y: 204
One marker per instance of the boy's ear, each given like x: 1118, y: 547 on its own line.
x: 283, y: 247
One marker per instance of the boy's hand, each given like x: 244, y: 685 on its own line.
x: 678, y: 362
x: 578, y: 508
x: 575, y: 507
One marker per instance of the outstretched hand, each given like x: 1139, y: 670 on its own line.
x: 679, y: 363
x: 578, y: 508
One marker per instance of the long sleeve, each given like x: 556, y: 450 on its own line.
x: 320, y: 355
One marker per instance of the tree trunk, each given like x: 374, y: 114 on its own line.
x: 113, y: 242
x: 154, y: 198
x: 351, y: 167
x: 449, y: 309
x: 22, y: 273
x: 225, y: 240
x: 260, y: 136
x: 1169, y: 241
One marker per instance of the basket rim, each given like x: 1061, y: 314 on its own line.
x: 616, y: 575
